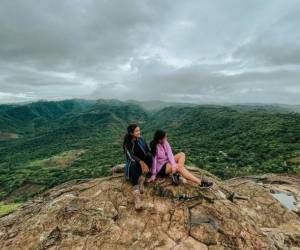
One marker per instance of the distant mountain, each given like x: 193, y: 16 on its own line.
x: 33, y: 117
x: 157, y: 105
x: 267, y: 107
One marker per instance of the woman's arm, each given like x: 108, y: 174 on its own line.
x: 171, y: 157
x: 153, y: 169
x: 154, y: 164
x: 129, y: 152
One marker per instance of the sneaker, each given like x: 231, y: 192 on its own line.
x: 137, y: 200
x: 206, y: 184
x: 183, y: 197
x: 175, y: 179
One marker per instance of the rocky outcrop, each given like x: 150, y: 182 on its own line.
x: 279, y: 223
x: 99, y: 213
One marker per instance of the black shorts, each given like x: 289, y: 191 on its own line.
x: 162, y: 172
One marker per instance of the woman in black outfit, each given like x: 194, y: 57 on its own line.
x: 138, y: 161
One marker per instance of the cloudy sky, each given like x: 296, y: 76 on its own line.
x: 205, y: 51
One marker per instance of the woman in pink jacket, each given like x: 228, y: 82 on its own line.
x: 165, y: 163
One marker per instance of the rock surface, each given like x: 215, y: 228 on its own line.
x: 240, y: 213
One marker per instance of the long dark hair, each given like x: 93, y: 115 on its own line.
x: 158, y: 135
x: 128, y: 136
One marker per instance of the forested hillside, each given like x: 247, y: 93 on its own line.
x: 45, y: 143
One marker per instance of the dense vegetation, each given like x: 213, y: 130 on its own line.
x: 59, y: 141
x: 230, y: 142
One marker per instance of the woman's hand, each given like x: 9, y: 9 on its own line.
x: 145, y: 168
x: 153, y: 177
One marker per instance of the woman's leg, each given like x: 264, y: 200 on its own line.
x: 135, y: 172
x: 136, y: 178
x: 182, y: 170
x: 180, y: 158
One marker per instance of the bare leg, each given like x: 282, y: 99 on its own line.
x: 180, y: 158
x: 141, y: 181
x: 184, y: 172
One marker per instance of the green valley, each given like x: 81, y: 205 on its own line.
x: 45, y: 143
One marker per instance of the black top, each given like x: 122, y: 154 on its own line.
x: 137, y: 150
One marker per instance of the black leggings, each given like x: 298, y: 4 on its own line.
x: 135, y: 170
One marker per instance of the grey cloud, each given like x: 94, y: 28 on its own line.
x: 74, y: 33
x: 203, y: 83
x: 276, y: 43
x: 222, y: 51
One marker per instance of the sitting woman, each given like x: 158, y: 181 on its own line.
x: 165, y: 163
x: 138, y: 161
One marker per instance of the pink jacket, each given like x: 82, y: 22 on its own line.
x: 163, y: 155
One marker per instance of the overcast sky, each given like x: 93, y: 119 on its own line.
x: 189, y: 51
